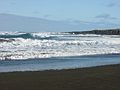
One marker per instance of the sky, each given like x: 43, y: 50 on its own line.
x: 65, y: 10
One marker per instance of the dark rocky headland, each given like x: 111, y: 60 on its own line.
x: 100, y: 32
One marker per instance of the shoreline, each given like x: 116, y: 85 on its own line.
x: 58, y: 70
x: 105, y: 77
x: 63, y: 63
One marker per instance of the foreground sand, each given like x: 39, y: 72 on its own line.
x: 95, y: 78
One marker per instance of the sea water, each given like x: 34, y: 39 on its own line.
x: 20, y: 51
x: 58, y: 63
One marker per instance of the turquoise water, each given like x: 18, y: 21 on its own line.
x: 58, y: 63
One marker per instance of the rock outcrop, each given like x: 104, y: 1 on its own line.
x: 101, y: 32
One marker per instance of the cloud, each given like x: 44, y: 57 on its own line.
x: 112, y: 4
x: 36, y: 12
x: 106, y: 16
x: 46, y: 16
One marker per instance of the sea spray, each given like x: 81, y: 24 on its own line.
x: 50, y: 44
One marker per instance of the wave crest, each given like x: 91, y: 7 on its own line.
x: 26, y: 36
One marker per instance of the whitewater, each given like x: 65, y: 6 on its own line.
x: 23, y: 46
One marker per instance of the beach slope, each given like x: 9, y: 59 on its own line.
x: 94, y: 78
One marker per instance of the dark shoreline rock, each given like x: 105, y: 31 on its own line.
x: 100, y: 32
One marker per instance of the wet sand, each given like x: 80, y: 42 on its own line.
x: 94, y: 78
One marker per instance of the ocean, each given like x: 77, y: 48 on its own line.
x: 20, y: 51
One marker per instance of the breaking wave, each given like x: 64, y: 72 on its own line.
x: 17, y: 45
x: 25, y: 36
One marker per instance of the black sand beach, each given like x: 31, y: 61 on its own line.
x: 94, y: 78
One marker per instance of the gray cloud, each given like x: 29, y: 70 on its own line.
x: 106, y: 16
x: 46, y: 16
x: 112, y: 4
x: 36, y: 12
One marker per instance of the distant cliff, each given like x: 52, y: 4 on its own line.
x: 101, y: 32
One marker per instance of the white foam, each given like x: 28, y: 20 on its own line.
x: 73, y: 45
